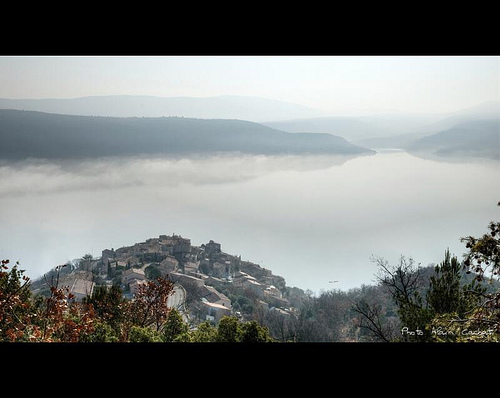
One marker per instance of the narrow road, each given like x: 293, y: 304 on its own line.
x: 177, y: 300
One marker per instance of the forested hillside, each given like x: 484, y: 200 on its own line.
x: 27, y: 134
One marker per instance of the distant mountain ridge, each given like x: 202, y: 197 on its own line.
x: 356, y: 128
x: 379, y: 130
x: 26, y: 134
x: 479, y: 138
x: 220, y: 107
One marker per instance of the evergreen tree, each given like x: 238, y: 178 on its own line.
x: 229, y: 330
x: 174, y: 326
x: 447, y: 294
x: 204, y: 333
x: 252, y: 332
x: 15, y: 304
x: 107, y: 303
x: 138, y: 334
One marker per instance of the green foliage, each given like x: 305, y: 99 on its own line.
x: 448, y: 300
x: 102, y: 333
x: 252, y: 332
x: 450, y: 328
x: 484, y: 253
x: 447, y: 303
x: 229, y: 330
x: 138, y: 334
x: 174, y: 327
x: 446, y: 292
x: 15, y: 311
x: 152, y: 272
x: 204, y: 333
x: 107, y: 304
x: 106, y: 316
x: 85, y: 262
x: 483, y: 259
x: 427, y: 311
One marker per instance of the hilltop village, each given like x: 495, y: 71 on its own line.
x: 209, y: 283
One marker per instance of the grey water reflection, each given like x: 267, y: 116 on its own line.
x: 308, y: 219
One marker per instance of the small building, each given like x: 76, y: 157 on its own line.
x: 186, y: 279
x: 82, y: 288
x: 221, y: 269
x: 214, y: 311
x: 246, y: 281
x: 168, y: 265
x: 132, y: 274
x: 280, y: 311
x: 272, y: 291
x: 191, y: 267
x: 182, y: 247
x: 214, y: 296
x: 135, y: 284
x: 212, y: 247
x: 240, y: 276
x: 242, y: 279
x: 254, y: 287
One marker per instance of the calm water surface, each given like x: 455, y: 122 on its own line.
x: 309, y: 219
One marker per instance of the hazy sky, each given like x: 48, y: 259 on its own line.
x: 332, y: 83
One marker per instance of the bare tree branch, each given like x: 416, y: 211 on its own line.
x: 372, y: 314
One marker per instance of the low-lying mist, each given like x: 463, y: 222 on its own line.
x: 49, y: 176
x: 310, y: 219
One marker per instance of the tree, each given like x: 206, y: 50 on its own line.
x: 228, y: 330
x: 108, y: 304
x: 140, y: 334
x: 204, y: 333
x: 484, y: 253
x: 404, y: 283
x: 51, y: 325
x: 483, y: 259
x: 102, y: 333
x: 152, y: 271
x: 305, y: 326
x: 447, y: 294
x: 280, y: 325
x: 373, y: 320
x: 150, y: 305
x: 85, y: 263
x: 174, y: 326
x: 253, y: 332
x: 429, y: 313
x: 15, y: 306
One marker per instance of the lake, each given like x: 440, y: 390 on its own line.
x: 310, y: 219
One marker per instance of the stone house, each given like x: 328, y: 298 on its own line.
x: 186, y: 279
x: 167, y: 265
x: 246, y: 281
x: 212, y: 247
x: 214, y: 296
x: 272, y: 291
x: 220, y: 269
x: 191, y: 268
x: 240, y: 277
x: 134, y: 285
x: 132, y: 274
x: 214, y: 312
x: 107, y: 255
x: 254, y: 287
x: 82, y: 288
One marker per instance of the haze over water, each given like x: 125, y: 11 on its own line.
x: 310, y: 219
